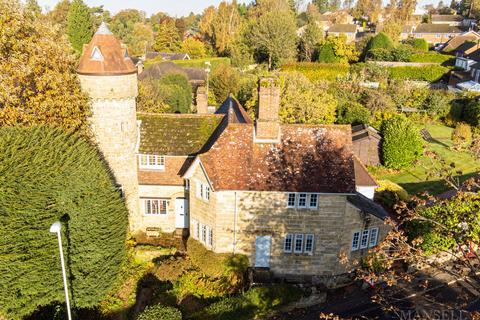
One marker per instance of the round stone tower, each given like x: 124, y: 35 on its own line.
x: 109, y: 77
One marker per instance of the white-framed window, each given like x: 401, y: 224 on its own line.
x: 195, y: 229
x: 151, y: 161
x: 288, y: 243
x: 302, y: 200
x: 373, y: 237
x: 206, y: 193
x: 209, y: 237
x: 291, y: 200
x: 309, y: 240
x: 204, y: 233
x: 298, y: 245
x: 96, y: 54
x: 155, y: 206
x: 313, y: 201
x: 364, y: 239
x: 356, y: 241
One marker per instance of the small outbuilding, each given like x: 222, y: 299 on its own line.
x: 367, y: 144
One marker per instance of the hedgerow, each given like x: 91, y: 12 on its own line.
x: 48, y: 175
x: 432, y: 58
x: 319, y: 71
x: 430, y: 73
x: 159, y: 312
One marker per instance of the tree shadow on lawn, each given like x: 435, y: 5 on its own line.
x: 433, y: 187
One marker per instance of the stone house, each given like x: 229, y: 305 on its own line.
x: 293, y: 198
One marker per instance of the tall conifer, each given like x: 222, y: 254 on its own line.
x: 79, y: 25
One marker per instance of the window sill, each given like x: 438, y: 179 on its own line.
x: 155, y: 215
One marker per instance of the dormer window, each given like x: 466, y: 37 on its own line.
x: 151, y: 161
x: 125, y: 54
x: 96, y: 54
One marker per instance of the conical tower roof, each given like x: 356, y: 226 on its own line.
x: 105, y: 55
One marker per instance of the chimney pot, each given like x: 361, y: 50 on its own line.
x: 202, y: 100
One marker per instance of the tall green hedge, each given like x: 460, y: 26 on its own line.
x: 380, y: 41
x: 402, y: 143
x: 420, y: 44
x: 319, y: 71
x: 430, y: 73
x: 159, y: 312
x: 48, y: 175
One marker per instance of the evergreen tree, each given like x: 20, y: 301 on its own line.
x: 47, y: 175
x: 309, y: 40
x: 167, y: 39
x: 79, y: 25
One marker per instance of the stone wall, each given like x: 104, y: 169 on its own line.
x: 239, y: 216
x: 165, y: 222
x: 114, y: 124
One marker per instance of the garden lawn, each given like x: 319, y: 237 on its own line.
x: 414, y: 180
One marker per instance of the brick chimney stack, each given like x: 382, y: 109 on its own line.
x: 202, y: 100
x: 267, y: 126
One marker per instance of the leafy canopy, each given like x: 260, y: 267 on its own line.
x: 39, y: 84
x: 48, y: 175
x: 79, y: 25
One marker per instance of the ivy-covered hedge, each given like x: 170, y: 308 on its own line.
x: 319, y: 71
x: 402, y: 143
x: 159, y: 312
x: 432, y: 57
x: 47, y: 175
x: 430, y: 73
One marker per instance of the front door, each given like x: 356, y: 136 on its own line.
x: 181, y: 213
x: 262, y: 251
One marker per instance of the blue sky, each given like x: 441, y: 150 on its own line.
x: 172, y: 7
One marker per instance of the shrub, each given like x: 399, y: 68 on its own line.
x: 48, y: 175
x: 402, y: 143
x: 402, y: 53
x: 159, y: 312
x: 326, y: 54
x: 319, y: 71
x: 380, y: 54
x: 224, y: 80
x: 432, y: 57
x: 471, y: 112
x: 438, y: 103
x: 353, y: 113
x: 462, y: 136
x: 389, y: 193
x: 194, y: 48
x: 380, y: 41
x: 420, y: 44
x: 430, y: 73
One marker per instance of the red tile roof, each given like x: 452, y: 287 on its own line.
x: 111, y: 58
x: 362, y: 177
x: 309, y: 159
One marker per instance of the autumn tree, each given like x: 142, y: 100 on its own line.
x: 194, y: 48
x: 123, y: 23
x: 32, y: 8
x: 79, y: 25
x: 224, y: 81
x: 302, y: 102
x: 273, y: 35
x: 37, y: 74
x: 58, y: 15
x: 309, y: 40
x: 167, y: 39
x: 343, y: 52
x: 368, y: 8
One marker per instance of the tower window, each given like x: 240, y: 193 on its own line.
x: 96, y: 54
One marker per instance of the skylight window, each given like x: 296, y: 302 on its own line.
x: 96, y: 54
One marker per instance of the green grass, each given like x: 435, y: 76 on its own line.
x: 433, y: 57
x: 414, y: 179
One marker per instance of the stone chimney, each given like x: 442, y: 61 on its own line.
x: 267, y: 126
x: 202, y: 100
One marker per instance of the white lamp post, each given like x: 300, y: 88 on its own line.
x: 56, y: 227
x: 207, y: 71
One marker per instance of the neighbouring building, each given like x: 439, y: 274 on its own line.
x: 436, y: 34
x: 448, y: 19
x: 196, y: 77
x: 367, y: 144
x: 348, y: 30
x: 292, y: 198
x: 454, y: 43
x: 167, y: 56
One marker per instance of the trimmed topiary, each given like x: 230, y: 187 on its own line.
x: 159, y: 312
x: 402, y: 143
x: 48, y: 175
x: 380, y: 41
x: 326, y: 54
x: 420, y: 44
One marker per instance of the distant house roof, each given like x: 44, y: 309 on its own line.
x: 343, y: 28
x: 455, y: 42
x: 368, y: 206
x: 308, y: 158
x: 465, y: 47
x: 105, y: 55
x: 175, y: 134
x: 159, y: 69
x: 437, y: 28
x: 446, y: 18
x: 407, y: 29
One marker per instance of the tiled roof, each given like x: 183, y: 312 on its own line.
x: 446, y: 18
x: 157, y: 70
x: 175, y: 134
x: 362, y: 177
x: 235, y: 112
x: 437, y: 28
x: 309, y: 158
x: 175, y: 167
x: 104, y: 55
x: 368, y: 206
x: 455, y: 42
x: 343, y: 28
x: 465, y: 46
x: 362, y: 130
